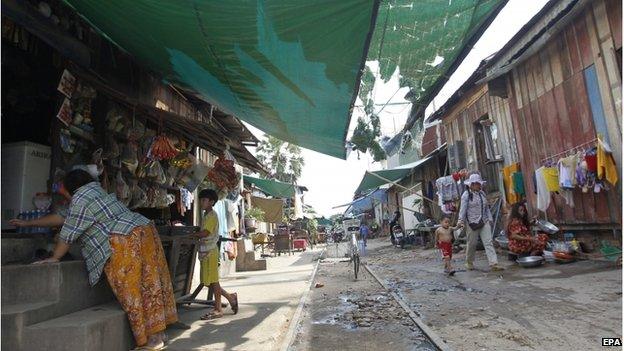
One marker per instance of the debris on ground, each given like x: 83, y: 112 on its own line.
x: 520, y: 310
x: 514, y: 335
x: 350, y: 314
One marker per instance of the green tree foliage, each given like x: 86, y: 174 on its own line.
x: 283, y: 160
x: 365, y: 137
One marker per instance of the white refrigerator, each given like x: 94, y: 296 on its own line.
x: 25, y: 172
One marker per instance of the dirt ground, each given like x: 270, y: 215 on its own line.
x: 354, y: 315
x: 553, y: 307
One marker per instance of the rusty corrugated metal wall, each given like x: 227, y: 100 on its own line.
x: 551, y: 109
x: 433, y: 138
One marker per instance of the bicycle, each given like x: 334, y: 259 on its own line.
x: 355, y: 254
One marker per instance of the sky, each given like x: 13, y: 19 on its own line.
x: 332, y: 181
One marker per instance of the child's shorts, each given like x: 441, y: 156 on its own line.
x: 447, y: 248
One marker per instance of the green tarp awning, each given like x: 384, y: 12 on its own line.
x: 370, y: 181
x: 289, y: 67
x: 426, y: 38
x: 271, y: 187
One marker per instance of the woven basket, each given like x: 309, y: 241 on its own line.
x: 260, y: 238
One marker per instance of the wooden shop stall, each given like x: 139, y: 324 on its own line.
x: 72, y: 99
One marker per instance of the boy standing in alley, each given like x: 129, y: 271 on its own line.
x: 209, y: 254
x: 444, y: 241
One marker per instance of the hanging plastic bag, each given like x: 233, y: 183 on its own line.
x: 129, y: 157
x: 144, y: 147
x: 141, y: 171
x: 111, y: 148
x: 155, y: 171
x: 161, y: 178
x: 150, y: 197
x: 113, y: 117
x: 121, y: 189
x: 196, y: 175
x: 135, y: 131
x: 160, y: 198
x: 139, y: 197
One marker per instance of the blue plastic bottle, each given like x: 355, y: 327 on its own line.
x: 33, y: 215
x: 37, y: 215
x: 20, y: 230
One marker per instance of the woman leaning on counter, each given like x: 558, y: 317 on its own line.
x: 126, y: 247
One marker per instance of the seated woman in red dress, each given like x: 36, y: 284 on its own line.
x: 520, y: 239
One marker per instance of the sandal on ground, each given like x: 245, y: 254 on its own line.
x: 150, y: 348
x: 234, y: 305
x: 212, y: 315
x: 496, y: 268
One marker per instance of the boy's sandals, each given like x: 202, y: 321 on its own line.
x: 235, y: 303
x: 212, y: 315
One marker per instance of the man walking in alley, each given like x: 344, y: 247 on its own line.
x: 364, y: 232
x: 475, y: 211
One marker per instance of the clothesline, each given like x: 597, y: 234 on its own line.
x: 577, y: 147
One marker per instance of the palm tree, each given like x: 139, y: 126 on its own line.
x: 283, y: 160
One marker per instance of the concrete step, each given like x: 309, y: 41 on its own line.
x: 30, y: 283
x: 246, y: 260
x: 20, y: 248
x: 99, y: 328
x: 16, y: 317
x: 64, y: 281
x: 36, y: 293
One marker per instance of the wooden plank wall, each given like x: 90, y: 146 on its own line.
x: 500, y: 113
x: 459, y: 125
x: 551, y: 111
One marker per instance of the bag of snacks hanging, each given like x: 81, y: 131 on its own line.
x: 139, y: 197
x: 121, y: 189
x: 156, y: 172
x: 129, y: 157
x: 136, y: 130
x: 112, y: 118
x: 111, y: 148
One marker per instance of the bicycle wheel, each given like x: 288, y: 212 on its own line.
x: 356, y: 265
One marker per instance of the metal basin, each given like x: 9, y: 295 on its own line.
x: 547, y: 227
x: 530, y: 261
x: 502, y: 241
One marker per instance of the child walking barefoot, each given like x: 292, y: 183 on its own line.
x: 444, y: 240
